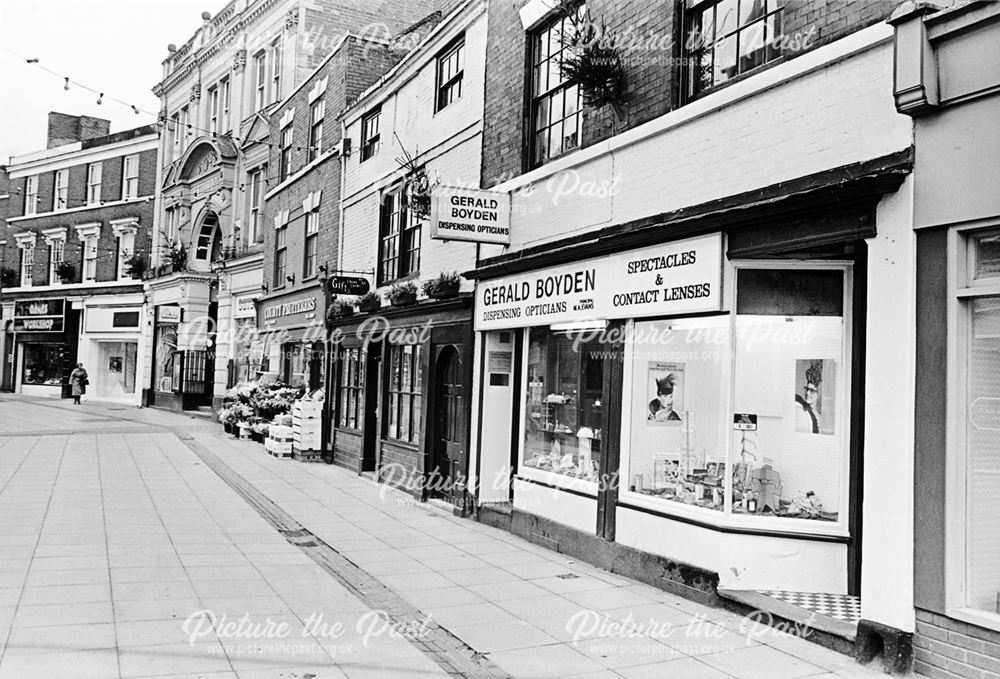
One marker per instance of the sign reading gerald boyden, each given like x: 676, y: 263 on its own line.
x: 679, y: 277
x: 471, y: 215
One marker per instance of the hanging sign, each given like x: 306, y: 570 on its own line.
x: 671, y: 278
x: 470, y: 215
x: 348, y: 285
x: 168, y: 314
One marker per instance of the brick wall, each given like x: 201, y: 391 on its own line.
x: 652, y: 73
x: 66, y: 129
x: 950, y: 649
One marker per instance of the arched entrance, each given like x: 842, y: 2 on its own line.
x: 208, y: 247
x: 449, y: 436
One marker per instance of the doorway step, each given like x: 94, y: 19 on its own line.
x: 496, y: 514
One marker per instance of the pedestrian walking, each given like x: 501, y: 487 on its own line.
x: 78, y: 381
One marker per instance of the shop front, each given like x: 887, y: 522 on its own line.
x: 109, y: 347
x: 292, y: 339
x: 45, y: 333
x: 402, y: 382
x: 699, y: 401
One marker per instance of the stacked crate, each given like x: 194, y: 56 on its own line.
x: 279, y: 441
x: 307, y: 430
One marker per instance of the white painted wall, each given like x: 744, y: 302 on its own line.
x: 887, y: 549
x: 565, y: 508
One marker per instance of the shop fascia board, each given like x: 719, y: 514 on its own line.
x: 175, y: 279
x: 103, y: 288
x: 855, y: 186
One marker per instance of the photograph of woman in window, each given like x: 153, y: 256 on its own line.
x: 808, y: 404
x: 665, y: 379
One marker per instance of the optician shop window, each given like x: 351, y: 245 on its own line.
x: 563, y: 402
x: 974, y: 446
x: 743, y: 414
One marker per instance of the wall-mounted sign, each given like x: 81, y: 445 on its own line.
x: 348, y: 285
x: 168, y: 314
x: 294, y: 309
x: 245, y: 307
x: 471, y: 215
x: 745, y: 422
x: 39, y: 315
x: 679, y: 277
x: 300, y: 306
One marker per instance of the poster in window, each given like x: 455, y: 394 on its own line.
x: 814, y: 396
x: 665, y: 389
x: 115, y: 364
x: 666, y: 471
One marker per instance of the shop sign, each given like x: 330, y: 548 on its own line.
x: 661, y: 280
x: 40, y: 324
x: 39, y: 315
x: 348, y: 285
x: 289, y: 311
x: 168, y: 314
x: 245, y: 307
x: 470, y: 215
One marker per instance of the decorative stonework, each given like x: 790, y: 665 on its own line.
x: 292, y: 18
x: 196, y: 92
x: 239, y: 61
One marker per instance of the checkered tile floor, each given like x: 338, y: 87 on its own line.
x: 843, y: 607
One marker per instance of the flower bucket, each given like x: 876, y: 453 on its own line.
x: 244, y: 428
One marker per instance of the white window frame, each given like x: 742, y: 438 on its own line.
x: 60, y: 193
x: 255, y: 186
x: 89, y: 236
x: 225, y: 93
x: 95, y: 172
x: 276, y: 62
x: 31, y: 195
x: 184, y: 123
x: 125, y: 230
x: 213, y: 109
x: 26, y: 243
x: 56, y: 240
x: 962, y: 289
x: 260, y: 80
x: 317, y: 115
x: 130, y: 177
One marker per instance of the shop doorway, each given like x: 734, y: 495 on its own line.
x: 448, y: 443
x: 369, y: 447
x: 7, y: 365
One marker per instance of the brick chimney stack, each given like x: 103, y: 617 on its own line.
x: 66, y: 129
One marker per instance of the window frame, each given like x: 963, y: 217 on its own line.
x: 310, y: 260
x: 963, y: 288
x: 27, y: 268
x: 395, y: 229
x: 550, y: 27
x: 184, y: 119
x: 126, y: 179
x: 693, y: 13
x: 213, y: 110
x: 369, y: 141
x: 280, y: 255
x: 225, y: 95
x: 88, y: 247
x: 276, y: 48
x: 316, y: 128
x: 126, y: 248
x: 60, y: 202
x: 56, y: 245
x: 94, y: 185
x: 255, y: 183
x: 31, y: 195
x: 444, y: 86
x: 351, y: 363
x: 407, y: 395
x: 285, y: 153
x: 260, y: 80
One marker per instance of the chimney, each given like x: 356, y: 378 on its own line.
x: 66, y: 129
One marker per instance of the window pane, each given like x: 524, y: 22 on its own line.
x: 404, y: 417
x: 751, y: 46
x: 677, y: 424
x: 725, y: 17
x: 983, y: 457
x: 393, y: 415
x: 774, y: 36
x: 790, y: 292
x: 750, y: 10
x: 725, y: 60
x: 987, y: 255
x: 563, y: 405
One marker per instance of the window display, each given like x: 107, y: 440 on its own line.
x: 166, y: 358
x: 118, y: 378
x: 562, y: 420
x: 790, y: 333
x: 743, y: 414
x: 405, y: 393
x: 674, y: 430
x: 42, y: 364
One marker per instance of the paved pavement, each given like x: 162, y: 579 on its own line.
x: 138, y: 543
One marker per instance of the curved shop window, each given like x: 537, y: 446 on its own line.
x: 563, y: 406
x: 742, y: 417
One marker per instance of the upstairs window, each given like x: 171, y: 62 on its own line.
x: 400, y: 235
x: 728, y: 37
x: 276, y: 70
x: 285, y: 154
x: 94, y: 172
x: 450, y: 69
x: 89, y: 259
x: 60, y: 198
x: 31, y: 195
x: 224, y: 97
x: 184, y: 130
x: 370, y: 134
x: 57, y: 254
x: 260, y: 80
x: 213, y: 110
x: 256, y: 182
x: 316, y: 114
x: 27, y: 264
x: 555, y: 102
x: 311, y: 244
x: 280, y: 256
x: 130, y: 178
x: 175, y: 133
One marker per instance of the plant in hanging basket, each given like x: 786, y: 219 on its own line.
x: 593, y: 60
x: 65, y: 271
x: 418, y: 193
x: 402, y: 294
x: 135, y: 266
x: 369, y: 302
x: 339, y: 309
x: 444, y: 286
x: 176, y: 255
